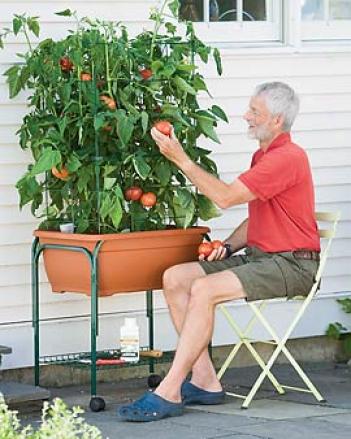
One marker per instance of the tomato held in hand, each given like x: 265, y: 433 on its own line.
x: 216, y: 244
x: 145, y: 73
x: 133, y: 193
x: 109, y: 102
x: 66, y: 64
x: 148, y: 199
x: 61, y: 175
x: 164, y: 127
x: 205, y: 249
x: 84, y: 76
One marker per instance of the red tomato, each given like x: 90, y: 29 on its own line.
x: 216, y: 244
x: 145, y: 73
x: 133, y: 193
x: 148, y: 199
x: 205, y: 249
x: 164, y: 127
x: 61, y: 175
x: 85, y: 76
x: 66, y: 64
x: 109, y: 102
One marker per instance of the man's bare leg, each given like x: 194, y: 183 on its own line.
x: 205, y: 293
x: 177, y: 283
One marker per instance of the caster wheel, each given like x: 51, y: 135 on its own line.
x: 153, y: 381
x: 97, y: 404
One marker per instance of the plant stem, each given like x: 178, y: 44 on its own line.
x: 27, y: 37
x: 156, y: 28
x: 107, y: 61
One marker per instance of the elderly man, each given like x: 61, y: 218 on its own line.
x: 281, y: 249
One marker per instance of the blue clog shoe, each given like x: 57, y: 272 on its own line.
x: 150, y: 407
x: 192, y: 394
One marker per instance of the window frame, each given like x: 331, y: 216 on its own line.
x: 269, y: 31
x: 287, y: 29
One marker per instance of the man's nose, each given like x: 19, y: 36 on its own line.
x: 246, y: 116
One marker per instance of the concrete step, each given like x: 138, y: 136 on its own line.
x: 17, y: 393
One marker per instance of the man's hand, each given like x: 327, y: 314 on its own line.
x: 218, y: 253
x: 170, y: 147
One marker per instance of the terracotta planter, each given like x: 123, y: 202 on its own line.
x: 127, y: 261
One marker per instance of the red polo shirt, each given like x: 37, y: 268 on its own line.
x: 282, y: 217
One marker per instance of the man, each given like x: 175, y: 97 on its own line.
x: 281, y: 256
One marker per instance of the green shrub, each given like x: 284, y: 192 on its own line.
x: 338, y: 332
x: 57, y: 422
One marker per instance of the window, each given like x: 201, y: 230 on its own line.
x: 325, y: 20
x: 234, y: 20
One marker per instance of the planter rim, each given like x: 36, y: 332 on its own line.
x: 119, y: 236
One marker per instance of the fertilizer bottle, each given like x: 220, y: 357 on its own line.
x: 130, y: 341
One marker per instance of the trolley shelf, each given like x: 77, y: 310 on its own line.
x: 82, y: 359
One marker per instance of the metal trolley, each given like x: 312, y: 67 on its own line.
x: 87, y: 359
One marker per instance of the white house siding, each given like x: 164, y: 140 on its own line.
x: 323, y: 127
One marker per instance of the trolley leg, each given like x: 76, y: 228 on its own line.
x: 150, y: 316
x: 93, y: 328
x: 35, y: 308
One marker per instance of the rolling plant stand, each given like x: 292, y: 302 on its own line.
x: 87, y: 359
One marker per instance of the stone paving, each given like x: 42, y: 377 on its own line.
x: 294, y: 415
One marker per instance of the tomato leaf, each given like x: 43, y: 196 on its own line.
x: 33, y: 26
x: 48, y: 159
x: 219, y: 112
x: 206, y: 126
x: 144, y: 121
x: 163, y: 172
x: 184, y: 86
x: 125, y: 127
x: 217, y: 58
x: 141, y: 167
x: 65, y: 13
x: 116, y: 213
x: 17, y: 24
x: 207, y: 209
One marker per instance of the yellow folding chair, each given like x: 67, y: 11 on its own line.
x: 330, y: 219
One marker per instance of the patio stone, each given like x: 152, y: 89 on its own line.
x: 17, y: 393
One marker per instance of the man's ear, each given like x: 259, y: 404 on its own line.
x: 279, y: 120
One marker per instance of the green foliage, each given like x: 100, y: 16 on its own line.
x: 90, y: 115
x: 338, y: 332
x: 58, y: 422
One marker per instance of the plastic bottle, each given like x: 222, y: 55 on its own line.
x: 130, y: 341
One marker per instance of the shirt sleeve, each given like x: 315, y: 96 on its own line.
x: 273, y: 173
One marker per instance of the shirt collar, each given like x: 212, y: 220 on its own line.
x: 281, y: 140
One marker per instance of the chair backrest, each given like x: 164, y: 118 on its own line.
x: 327, y: 231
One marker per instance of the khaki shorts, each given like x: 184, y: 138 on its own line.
x: 268, y: 275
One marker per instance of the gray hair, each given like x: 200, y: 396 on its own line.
x: 281, y: 99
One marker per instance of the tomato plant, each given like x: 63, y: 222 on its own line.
x: 94, y: 96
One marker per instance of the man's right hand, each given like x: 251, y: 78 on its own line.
x: 218, y: 253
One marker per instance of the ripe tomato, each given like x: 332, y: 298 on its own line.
x: 133, y: 193
x: 66, y: 64
x: 164, y: 127
x: 145, y: 73
x: 85, y: 76
x: 148, y: 199
x: 107, y: 128
x: 109, y: 102
x: 61, y: 175
x: 216, y: 244
x: 205, y: 249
